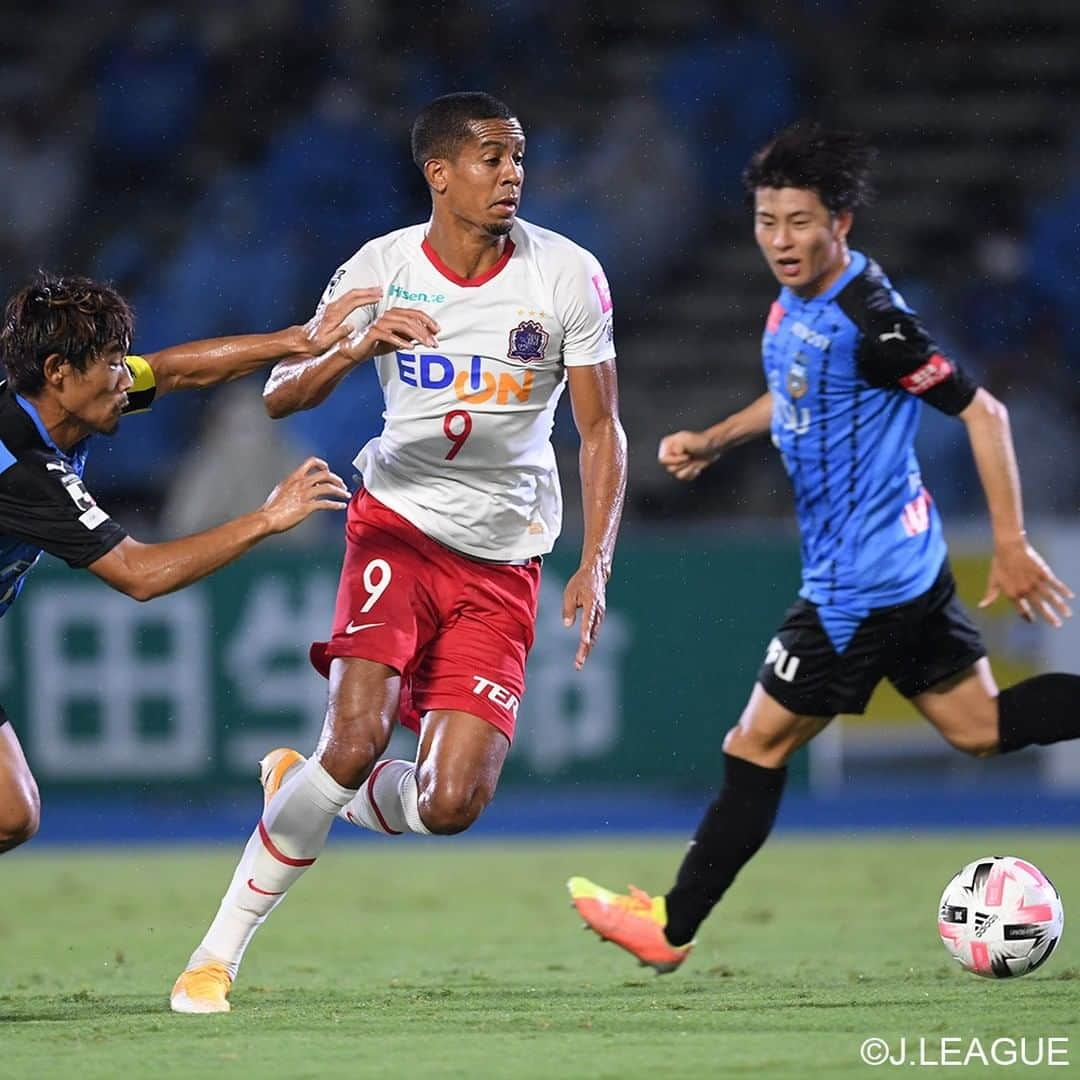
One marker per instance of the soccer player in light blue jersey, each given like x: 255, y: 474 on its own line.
x: 848, y: 367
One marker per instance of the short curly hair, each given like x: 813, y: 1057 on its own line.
x: 442, y: 127
x: 74, y: 317
x: 835, y: 164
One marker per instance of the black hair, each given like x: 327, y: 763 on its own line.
x: 75, y: 317
x: 835, y: 164
x: 443, y: 125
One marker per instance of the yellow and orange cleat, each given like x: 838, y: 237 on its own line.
x: 635, y: 922
x: 274, y: 768
x: 202, y: 989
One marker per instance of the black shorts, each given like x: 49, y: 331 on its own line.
x: 914, y: 645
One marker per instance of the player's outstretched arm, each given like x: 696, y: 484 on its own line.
x: 144, y: 571
x: 298, y: 384
x: 216, y: 360
x: 594, y: 396
x: 685, y: 454
x: 1016, y: 569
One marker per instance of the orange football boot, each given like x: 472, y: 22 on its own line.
x: 274, y: 768
x: 202, y: 989
x: 635, y: 922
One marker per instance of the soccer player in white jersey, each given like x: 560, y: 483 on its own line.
x: 483, y: 320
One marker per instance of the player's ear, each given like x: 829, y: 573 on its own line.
x: 435, y: 174
x: 53, y: 368
x: 842, y: 224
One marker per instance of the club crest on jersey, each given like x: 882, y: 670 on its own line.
x: 797, y: 382
x: 528, y: 340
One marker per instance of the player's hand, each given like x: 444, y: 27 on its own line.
x: 1021, y: 573
x: 586, y: 591
x: 329, y: 324
x: 309, y: 488
x: 686, y: 453
x: 398, y: 328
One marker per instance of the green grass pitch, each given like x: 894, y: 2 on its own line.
x: 463, y: 959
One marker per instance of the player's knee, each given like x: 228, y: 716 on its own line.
x: 980, y: 741
x: 770, y: 750
x: 450, y: 809
x: 349, y: 756
x: 19, y: 825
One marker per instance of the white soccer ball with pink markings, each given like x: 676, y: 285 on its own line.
x: 1000, y: 917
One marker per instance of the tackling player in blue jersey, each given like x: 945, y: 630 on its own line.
x: 64, y: 344
x: 848, y: 365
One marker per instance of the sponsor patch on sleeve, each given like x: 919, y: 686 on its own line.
x: 603, y: 291
x: 93, y: 517
x: 935, y: 371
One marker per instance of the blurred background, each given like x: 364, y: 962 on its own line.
x: 217, y: 164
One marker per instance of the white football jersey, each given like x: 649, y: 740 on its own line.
x: 465, y: 453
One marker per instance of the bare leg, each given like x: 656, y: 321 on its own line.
x: 20, y: 804
x: 444, y: 791
x: 360, y: 718
x: 767, y: 734
x: 458, y: 764
x: 965, y: 709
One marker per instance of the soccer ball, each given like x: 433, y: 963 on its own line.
x: 1000, y: 917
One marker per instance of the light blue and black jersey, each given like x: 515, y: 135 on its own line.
x: 847, y: 370
x: 44, y: 505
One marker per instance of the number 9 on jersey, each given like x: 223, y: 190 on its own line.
x: 457, y: 427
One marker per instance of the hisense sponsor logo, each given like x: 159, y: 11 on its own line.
x: 398, y: 293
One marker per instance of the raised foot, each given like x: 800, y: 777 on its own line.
x: 634, y: 921
x: 273, y: 769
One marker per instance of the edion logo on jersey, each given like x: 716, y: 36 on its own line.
x: 473, y: 385
x: 936, y: 370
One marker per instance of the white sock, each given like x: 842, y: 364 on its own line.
x: 387, y: 801
x: 287, y: 841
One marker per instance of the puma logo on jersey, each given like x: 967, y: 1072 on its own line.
x: 893, y: 335
x: 783, y: 663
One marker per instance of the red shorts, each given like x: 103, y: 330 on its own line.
x: 457, y: 629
